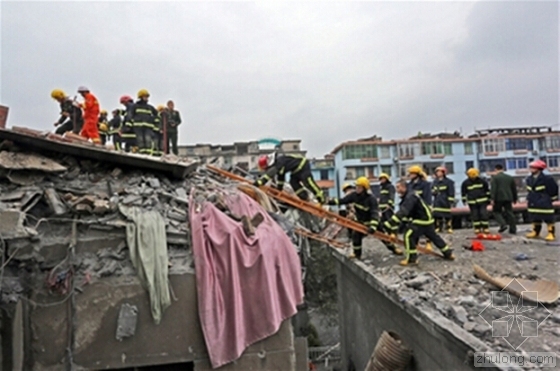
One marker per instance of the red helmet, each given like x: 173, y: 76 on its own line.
x: 442, y: 169
x: 538, y: 164
x: 263, y: 162
x: 125, y: 99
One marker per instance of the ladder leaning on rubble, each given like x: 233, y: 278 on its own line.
x: 317, y: 211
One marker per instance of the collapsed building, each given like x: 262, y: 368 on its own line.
x: 82, y: 290
x: 98, y: 270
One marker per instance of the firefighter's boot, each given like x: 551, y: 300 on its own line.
x: 411, y: 260
x: 551, y: 236
x: 535, y: 232
x: 438, y: 223
x: 448, y: 254
x: 449, y: 227
x: 428, y: 246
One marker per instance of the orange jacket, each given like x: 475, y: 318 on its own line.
x: 91, y: 106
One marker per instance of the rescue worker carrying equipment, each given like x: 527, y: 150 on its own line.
x: 91, y: 115
x: 367, y: 213
x: 127, y: 134
x: 144, y: 117
x: 475, y: 192
x: 386, y: 207
x: 543, y: 191
x: 349, y: 211
x: 103, y: 126
x: 421, y: 223
x: 300, y: 174
x: 70, y: 114
x: 443, y: 191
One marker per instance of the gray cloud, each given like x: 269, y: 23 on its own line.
x: 324, y: 72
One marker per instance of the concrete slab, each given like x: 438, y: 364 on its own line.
x: 39, y: 141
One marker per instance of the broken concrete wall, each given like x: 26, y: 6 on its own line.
x: 366, y: 310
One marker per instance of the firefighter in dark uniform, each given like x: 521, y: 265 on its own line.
x: 349, y: 211
x: 367, y: 213
x: 419, y: 184
x: 386, y: 208
x: 158, y: 133
x: 300, y: 174
x: 143, y: 117
x: 127, y: 135
x: 443, y: 191
x: 71, y: 118
x: 420, y: 223
x: 115, y: 127
x: 103, y: 126
x: 475, y: 192
x: 543, y: 191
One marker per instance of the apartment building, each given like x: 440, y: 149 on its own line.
x: 323, y: 172
x: 514, y: 148
x: 244, y: 155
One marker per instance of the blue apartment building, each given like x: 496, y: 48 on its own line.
x: 323, y: 172
x: 514, y: 148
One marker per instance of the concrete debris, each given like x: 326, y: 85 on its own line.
x: 419, y: 282
x: 460, y: 313
x: 29, y: 161
x: 25, y: 178
x: 58, y: 207
x: 11, y: 224
x: 126, y: 324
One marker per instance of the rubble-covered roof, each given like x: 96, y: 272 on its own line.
x: 454, y: 291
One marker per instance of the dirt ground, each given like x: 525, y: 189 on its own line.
x: 452, y: 289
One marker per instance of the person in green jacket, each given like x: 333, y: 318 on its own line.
x: 503, y: 193
x: 173, y: 120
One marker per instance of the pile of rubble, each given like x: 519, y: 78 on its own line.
x: 454, y: 291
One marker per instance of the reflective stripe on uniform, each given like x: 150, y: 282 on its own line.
x: 442, y: 209
x: 541, y: 211
x: 358, y: 206
x: 474, y: 186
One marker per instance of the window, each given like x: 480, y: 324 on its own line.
x: 553, y: 161
x: 360, y: 171
x: 324, y: 174
x: 516, y: 163
x: 409, y: 149
x: 550, y: 142
x: 387, y: 169
x: 517, y: 144
x: 469, y: 164
x: 358, y: 151
x: 494, y: 145
x: 436, y: 148
x: 489, y: 165
x: 350, y: 174
x: 295, y: 147
x: 403, y: 171
x: 450, y: 167
x: 469, y: 148
x: 430, y: 167
x: 385, y: 152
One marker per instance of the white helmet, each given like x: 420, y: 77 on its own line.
x: 82, y: 89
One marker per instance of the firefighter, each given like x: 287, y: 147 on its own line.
x: 91, y: 115
x: 70, y: 114
x: 158, y: 132
x: 115, y: 127
x: 543, y: 191
x: 127, y: 135
x: 300, y: 174
x: 420, y: 223
x: 143, y: 117
x: 419, y: 184
x: 349, y: 211
x: 103, y: 126
x: 367, y: 213
x: 443, y: 191
x: 475, y: 192
x: 386, y: 208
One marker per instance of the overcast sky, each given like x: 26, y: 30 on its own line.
x: 324, y: 72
